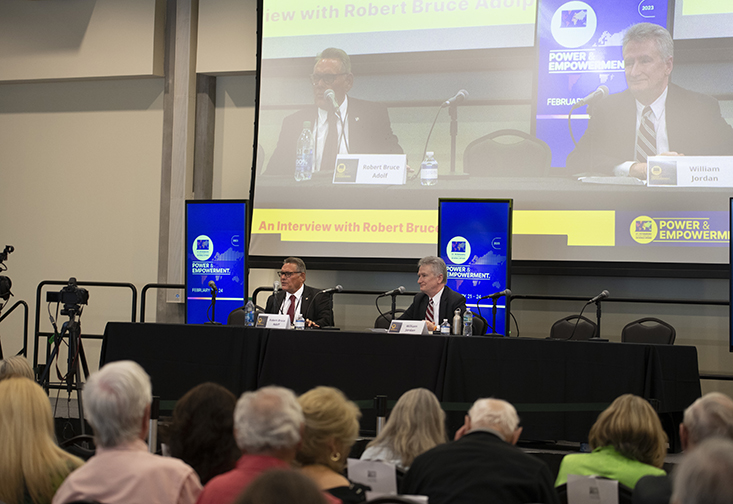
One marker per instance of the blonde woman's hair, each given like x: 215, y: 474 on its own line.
x: 29, y: 457
x: 16, y: 366
x: 415, y: 425
x: 329, y: 416
x: 633, y: 428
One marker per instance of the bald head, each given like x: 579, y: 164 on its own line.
x: 497, y: 415
x: 711, y: 415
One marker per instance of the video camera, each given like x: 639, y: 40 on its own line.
x: 71, y: 296
x: 5, y: 282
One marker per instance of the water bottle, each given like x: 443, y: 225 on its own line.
x: 467, y: 322
x: 457, y: 322
x: 304, y: 154
x: 429, y: 170
x: 299, y: 322
x: 249, y: 313
x: 445, y: 328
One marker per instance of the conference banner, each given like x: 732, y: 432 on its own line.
x: 580, y: 50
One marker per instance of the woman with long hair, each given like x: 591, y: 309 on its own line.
x: 32, y: 466
x: 416, y: 424
x: 627, y: 440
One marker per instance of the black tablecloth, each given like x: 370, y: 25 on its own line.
x: 558, y: 387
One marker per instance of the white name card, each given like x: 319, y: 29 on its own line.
x: 270, y: 321
x: 690, y: 171
x: 384, y: 169
x: 408, y: 327
x: 381, y: 476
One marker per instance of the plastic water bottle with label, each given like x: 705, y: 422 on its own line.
x: 299, y: 322
x: 429, y: 170
x: 467, y: 322
x: 304, y: 155
x: 445, y: 328
x: 249, y: 313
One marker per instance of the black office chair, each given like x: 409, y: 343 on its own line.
x: 624, y: 493
x: 487, y: 157
x: 383, y: 321
x: 564, y: 328
x: 648, y: 330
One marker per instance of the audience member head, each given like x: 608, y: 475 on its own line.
x: 30, y: 460
x: 711, y: 415
x: 331, y: 71
x: 117, y: 403
x: 633, y: 428
x: 16, y: 366
x: 331, y: 427
x: 432, y: 275
x: 704, y: 476
x: 292, y: 274
x: 415, y: 425
x: 495, y: 414
x: 202, y: 431
x: 269, y: 421
x: 280, y: 486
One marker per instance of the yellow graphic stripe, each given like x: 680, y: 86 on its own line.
x: 694, y: 7
x: 584, y: 228
x: 284, y: 18
x: 587, y: 228
x: 351, y: 226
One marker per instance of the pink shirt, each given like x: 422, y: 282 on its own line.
x: 225, y: 488
x: 128, y: 474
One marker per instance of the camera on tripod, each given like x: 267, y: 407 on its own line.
x: 5, y: 283
x: 72, y: 297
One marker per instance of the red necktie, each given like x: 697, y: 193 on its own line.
x: 429, y: 311
x: 291, y: 308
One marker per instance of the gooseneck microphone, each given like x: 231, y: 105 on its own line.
x: 602, y: 295
x: 330, y: 96
x: 505, y: 292
x: 212, y: 285
x: 275, y: 287
x: 600, y: 93
x: 393, y: 292
x: 337, y: 288
x: 455, y: 100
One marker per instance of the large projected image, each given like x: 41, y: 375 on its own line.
x: 703, y: 19
x: 370, y: 110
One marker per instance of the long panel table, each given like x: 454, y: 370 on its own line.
x: 558, y: 387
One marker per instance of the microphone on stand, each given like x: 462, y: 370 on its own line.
x: 275, y: 287
x: 596, y: 95
x: 330, y: 96
x: 393, y: 292
x: 600, y: 93
x: 214, y: 290
x: 495, y: 295
x: 455, y: 100
x: 602, y: 295
x: 338, y: 288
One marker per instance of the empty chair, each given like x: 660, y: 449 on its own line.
x: 648, y: 330
x: 572, y: 328
x: 487, y: 157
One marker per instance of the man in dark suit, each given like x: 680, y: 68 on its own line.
x: 297, y: 298
x: 652, y: 117
x: 482, y: 464
x: 367, y: 125
x: 294, y: 298
x: 432, y: 275
x: 711, y: 416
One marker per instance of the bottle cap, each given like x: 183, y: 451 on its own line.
x: 429, y: 153
x: 306, y: 125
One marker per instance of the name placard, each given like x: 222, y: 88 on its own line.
x: 270, y: 321
x: 690, y: 171
x: 384, y: 169
x: 408, y: 327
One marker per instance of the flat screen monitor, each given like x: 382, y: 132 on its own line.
x: 475, y: 241
x: 216, y: 257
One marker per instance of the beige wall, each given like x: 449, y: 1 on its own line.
x: 80, y: 39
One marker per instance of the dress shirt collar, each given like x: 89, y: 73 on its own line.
x: 136, y: 445
x: 657, y: 106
